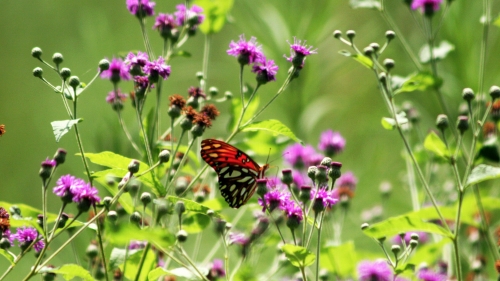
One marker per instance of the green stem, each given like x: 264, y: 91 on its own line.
x: 101, y: 246
x: 141, y: 261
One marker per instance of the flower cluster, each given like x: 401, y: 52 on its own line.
x: 72, y: 189
x: 26, y: 236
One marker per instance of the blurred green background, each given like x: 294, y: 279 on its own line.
x: 333, y: 92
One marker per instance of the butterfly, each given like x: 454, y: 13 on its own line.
x: 237, y: 172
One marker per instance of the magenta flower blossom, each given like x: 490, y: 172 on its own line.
x: 374, y: 271
x: 26, y: 236
x: 266, y: 70
x: 426, y: 4
x: 298, y: 52
x: 117, y: 70
x: 10, y: 237
x: 136, y: 244
x: 274, y: 199
x: 428, y: 275
x: 331, y: 143
x: 193, y: 15
x: 85, y: 192
x: 49, y: 163
x: 347, y: 180
x: 299, y: 156
x: 157, y: 68
x: 66, y: 183
x: 141, y: 82
x: 247, y: 52
x: 325, y: 196
x: 114, y: 97
x: 164, y: 22
x: 141, y: 59
x: 238, y: 238
x: 292, y: 210
x: 217, y: 270
x: 147, y: 8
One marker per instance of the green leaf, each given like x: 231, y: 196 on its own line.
x: 340, y: 259
x: 236, y: 108
x: 71, y: 271
x: 390, y: 123
x: 298, y: 256
x: 216, y: 12
x: 246, y: 272
x: 119, y: 165
x: 364, y: 60
x: 117, y: 257
x: 409, y: 222
x: 482, y: 173
x: 497, y: 21
x: 133, y: 260
x: 420, y: 81
x: 60, y: 128
x: 440, y: 51
x: 194, y: 222
x: 263, y: 143
x: 122, y: 234
x: 192, y: 206
x: 429, y: 253
x: 8, y: 255
x: 371, y: 4
x: 272, y: 126
x: 434, y: 144
x: 402, y: 267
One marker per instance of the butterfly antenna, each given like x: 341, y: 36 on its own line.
x: 269, y: 154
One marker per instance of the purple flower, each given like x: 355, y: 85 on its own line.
x: 117, y: 70
x: 273, y: 199
x: 266, y: 70
x: 10, y: 237
x: 273, y: 183
x: 426, y: 4
x: 146, y: 7
x: 66, y: 183
x: 292, y: 210
x: 325, y: 196
x: 331, y: 143
x: 26, y: 235
x: 374, y: 271
x: 299, y: 179
x: 193, y: 15
x: 428, y: 275
x: 246, y: 52
x: 299, y: 156
x: 137, y: 60
x: 238, y: 238
x: 164, y: 22
x: 157, y: 68
x: 114, y: 97
x: 298, y: 52
x: 49, y: 163
x: 136, y: 244
x: 217, y: 270
x: 141, y: 82
x: 85, y: 192
x: 347, y: 180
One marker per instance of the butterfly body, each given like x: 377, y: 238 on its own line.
x: 237, y: 172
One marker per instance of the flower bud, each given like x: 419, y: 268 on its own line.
x: 287, y: 177
x: 305, y: 193
x: 210, y: 213
x: 193, y: 102
x: 133, y: 187
x: 199, y: 75
x: 389, y: 34
x: 414, y: 236
x: 350, y: 34
x: 103, y: 65
x: 382, y: 77
x: 395, y: 249
x: 197, y: 130
x: 368, y: 51
x: 413, y: 243
x: 318, y: 206
x: 494, y: 92
x: 36, y: 52
x: 337, y: 34
x: 442, y: 122
x: 311, y: 172
x: 46, y: 169
x: 228, y: 95
x: 38, y: 72
x: 468, y: 94
x: 180, y: 208
x: 161, y: 210
x: 146, y: 198
x: 334, y: 172
x: 213, y: 91
x: 133, y: 167
x: 181, y: 236
x: 389, y: 64
x: 60, y: 156
x: 321, y: 174
x: 62, y: 221
x: 164, y: 156
x: 174, y: 111
x: 220, y: 226
x: 181, y: 185
x: 462, y: 124
x: 57, y: 58
x: 92, y: 251
x: 375, y: 46
x: 261, y: 187
x: 65, y: 73
x: 74, y: 81
x: 4, y: 243
x: 39, y: 220
x: 364, y: 226
x: 186, y: 124
x: 135, y: 217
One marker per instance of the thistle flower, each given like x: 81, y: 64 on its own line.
x: 247, y: 52
x: 374, y: 271
x: 146, y: 7
x: 331, y: 143
x: 117, y: 71
x: 157, y: 68
x: 26, y: 235
x: 266, y: 70
x: 298, y: 52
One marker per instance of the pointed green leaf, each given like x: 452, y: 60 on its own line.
x: 194, y: 222
x: 440, y: 51
x: 390, y: 123
x: 72, y: 271
x: 298, y: 255
x: 192, y: 206
x: 60, y: 128
x: 364, y: 60
x: 272, y: 126
x: 482, y: 173
x: 370, y: 4
x: 434, y: 144
x: 119, y: 165
x: 216, y: 13
x: 429, y: 253
x: 420, y: 81
x: 8, y: 255
x: 340, y: 259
